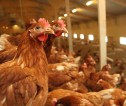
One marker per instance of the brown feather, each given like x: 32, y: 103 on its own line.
x: 26, y: 73
x: 7, y: 55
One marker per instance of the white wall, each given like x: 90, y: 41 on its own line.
x: 116, y: 27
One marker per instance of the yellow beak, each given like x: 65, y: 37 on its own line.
x: 65, y: 30
x: 49, y: 31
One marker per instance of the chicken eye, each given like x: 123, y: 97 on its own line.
x: 56, y: 25
x: 37, y: 27
x: 59, y: 105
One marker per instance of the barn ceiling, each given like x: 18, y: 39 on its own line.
x: 20, y: 11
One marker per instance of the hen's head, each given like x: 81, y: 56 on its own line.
x: 84, y: 65
x: 100, y: 81
x: 54, y: 101
x: 90, y: 61
x: 106, y: 67
x: 40, y: 30
x: 59, y: 27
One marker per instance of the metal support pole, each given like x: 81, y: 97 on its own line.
x: 58, y: 39
x: 21, y: 9
x: 67, y: 2
x: 102, y: 31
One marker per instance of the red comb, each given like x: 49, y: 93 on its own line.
x: 44, y: 22
x: 61, y: 22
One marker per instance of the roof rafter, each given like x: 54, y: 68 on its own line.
x: 73, y: 19
x: 80, y: 17
x: 86, y: 16
x: 119, y: 2
x: 88, y: 8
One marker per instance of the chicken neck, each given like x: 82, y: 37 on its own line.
x: 48, y: 45
x: 30, y: 52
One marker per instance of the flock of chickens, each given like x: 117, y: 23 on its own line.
x: 33, y: 73
x: 71, y: 84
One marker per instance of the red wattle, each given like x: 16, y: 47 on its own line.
x: 58, y: 33
x: 43, y: 38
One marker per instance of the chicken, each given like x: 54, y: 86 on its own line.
x: 119, y: 66
x: 75, y: 85
x: 104, y: 84
x: 110, y: 102
x: 107, y: 80
x: 9, y: 44
x: 88, y: 99
x: 13, y: 41
x: 73, y: 101
x: 90, y: 61
x: 106, y: 68
x: 7, y: 55
x: 7, y: 51
x: 61, y: 73
x: 91, y: 83
x: 4, y: 44
x: 113, y: 97
x: 123, y: 84
x: 24, y: 80
x: 59, y: 27
x: 88, y: 67
x: 56, y: 79
x: 85, y: 70
x: 54, y: 95
x: 62, y: 97
x: 113, y: 79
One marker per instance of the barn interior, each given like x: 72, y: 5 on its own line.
x: 96, y: 35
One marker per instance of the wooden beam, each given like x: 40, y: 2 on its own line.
x: 25, y: 3
x: 81, y: 17
x: 46, y: 2
x: 74, y: 20
x: 77, y: 4
x: 120, y: 2
x: 78, y: 20
x: 9, y: 10
x: 87, y: 16
x: 82, y: 11
x: 87, y: 8
x: 25, y: 12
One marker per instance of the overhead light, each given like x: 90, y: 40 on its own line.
x: 89, y: 3
x: 106, y: 39
x: 60, y: 18
x: 91, y: 37
x: 81, y: 36
x: 74, y: 10
x: 63, y: 34
x: 15, y: 26
x: 123, y: 40
x: 65, y: 15
x: 75, y: 35
x: 66, y: 35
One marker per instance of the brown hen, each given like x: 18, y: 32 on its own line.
x: 23, y: 80
x: 13, y: 41
x: 7, y: 50
x: 59, y: 27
